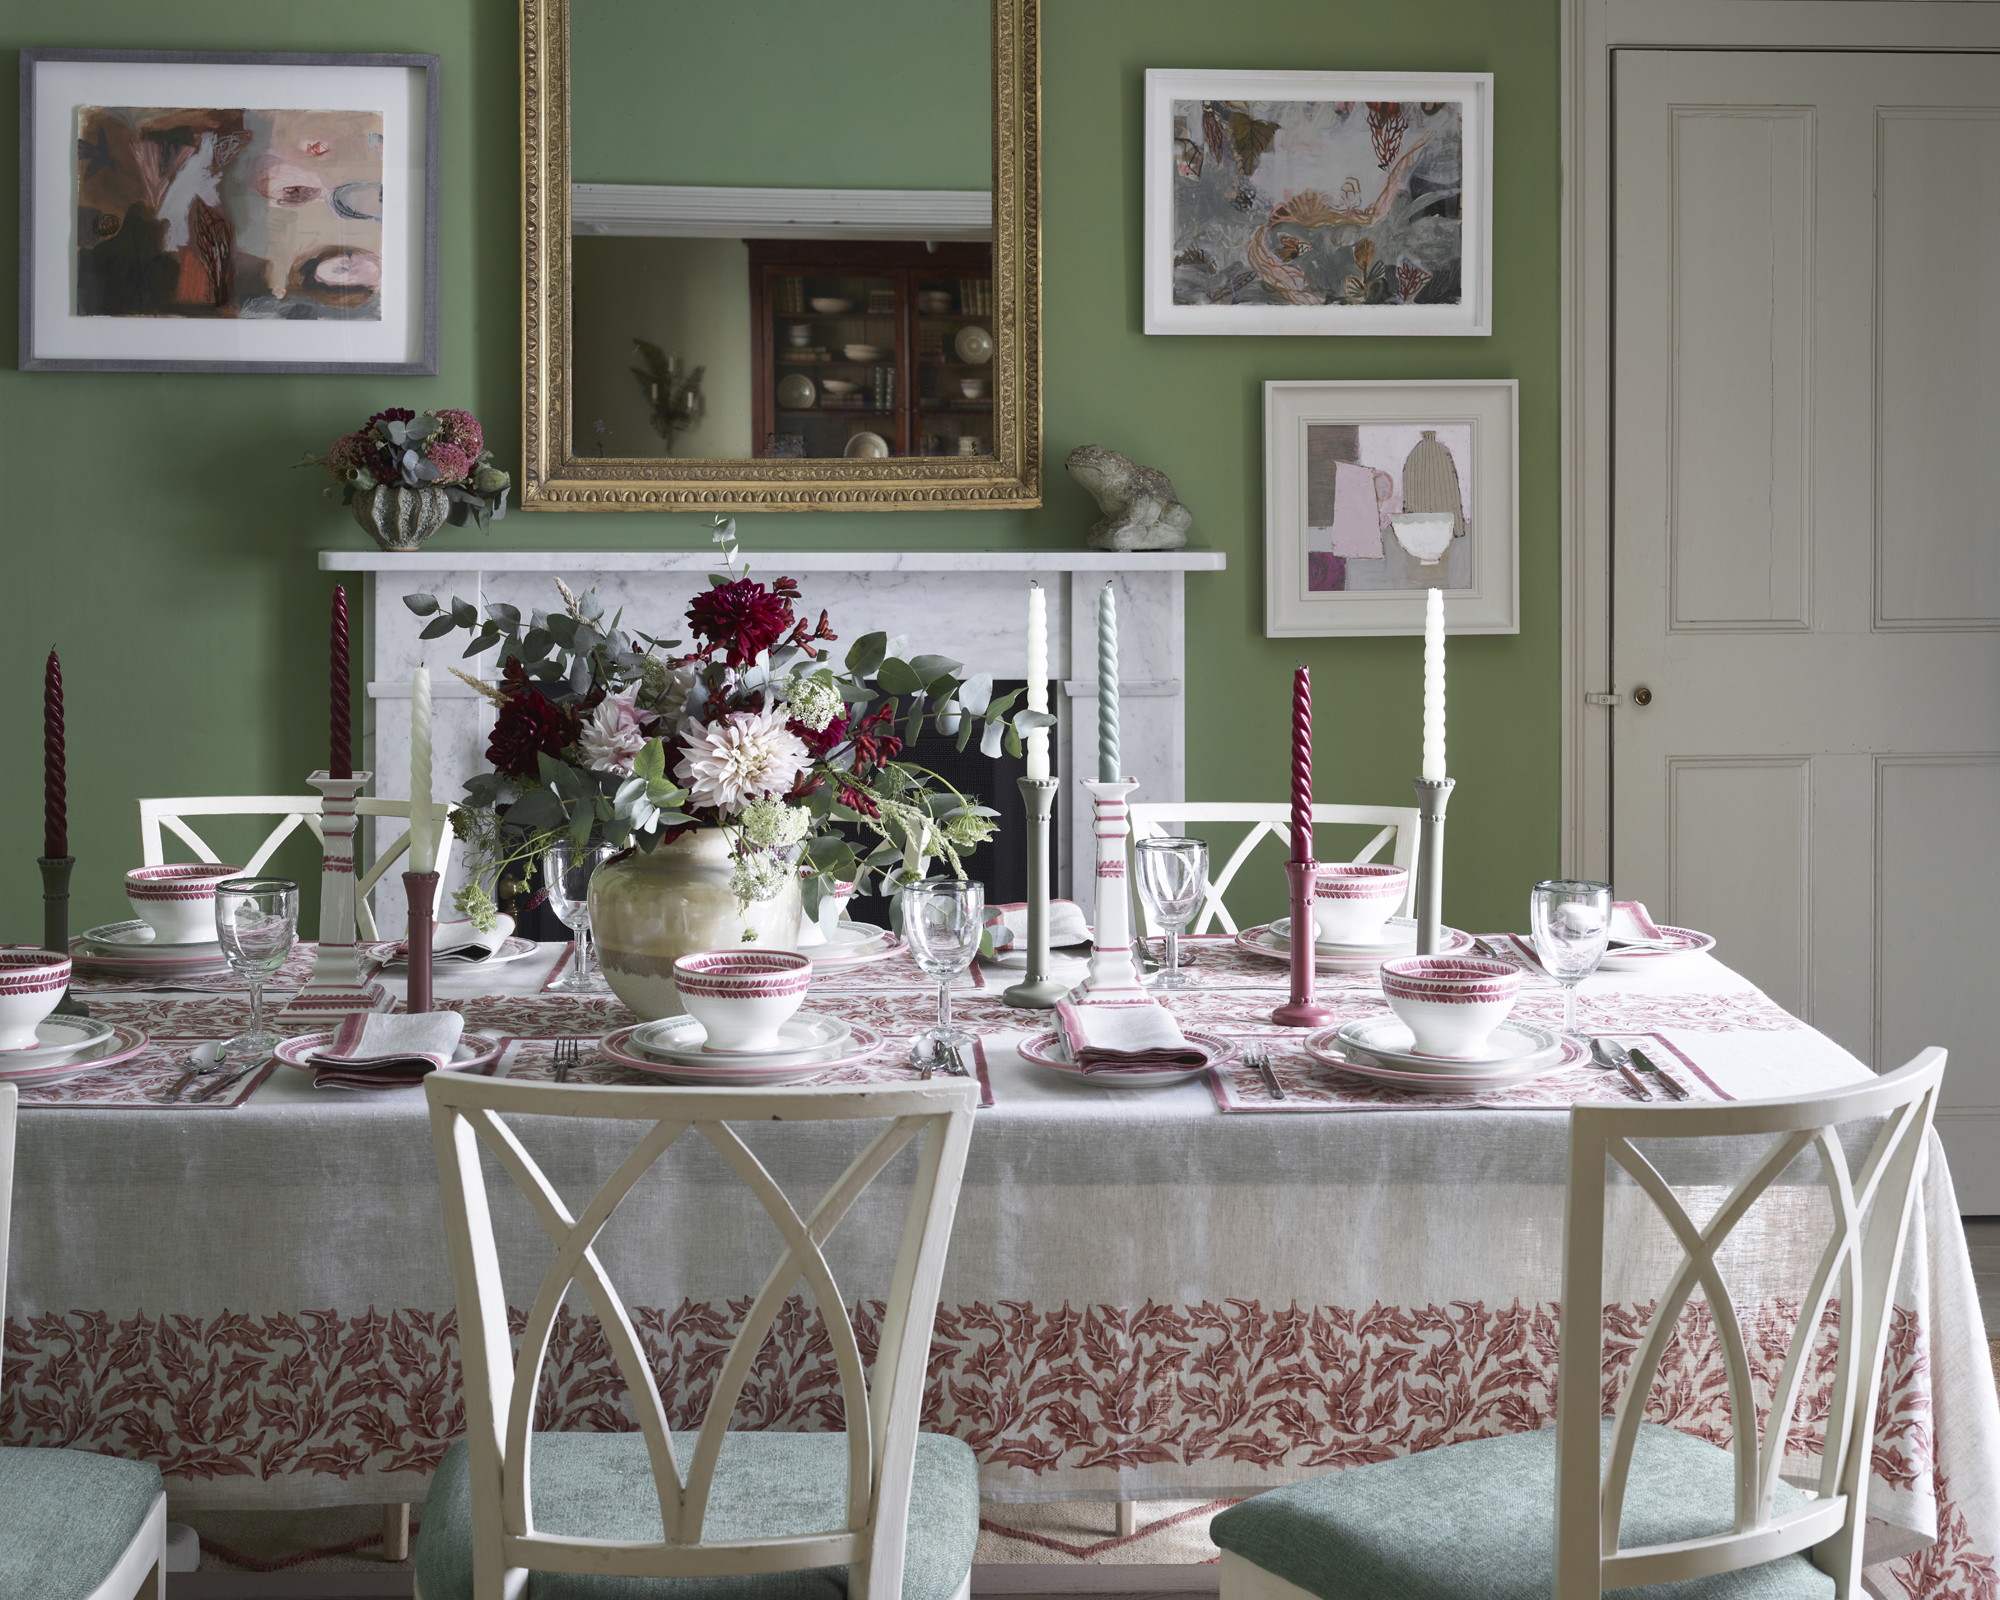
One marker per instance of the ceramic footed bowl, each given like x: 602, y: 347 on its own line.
x: 1353, y: 899
x: 1451, y: 1004
x: 178, y: 901
x: 811, y: 932
x: 31, y: 984
x: 742, y: 998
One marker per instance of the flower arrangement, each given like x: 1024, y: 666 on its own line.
x: 608, y: 735
x: 435, y: 449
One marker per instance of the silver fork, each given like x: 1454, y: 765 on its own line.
x: 1258, y: 1056
x: 568, y: 1053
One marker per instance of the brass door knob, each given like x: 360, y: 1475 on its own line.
x: 1642, y: 696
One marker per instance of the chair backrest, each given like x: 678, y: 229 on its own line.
x: 1856, y: 1273
x: 10, y: 1110
x: 1396, y: 825
x: 500, y: 1388
x: 160, y: 817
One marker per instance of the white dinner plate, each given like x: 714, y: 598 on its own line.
x: 1399, y: 937
x: 1263, y: 941
x: 1049, y: 1050
x: 681, y: 1042
x: 396, y: 953
x: 796, y: 393
x: 1687, y: 942
x: 974, y: 344
x: 827, y: 962
x: 474, y: 1050
x: 1324, y: 1047
x: 120, y: 1042
x: 847, y: 939
x: 737, y: 1072
x: 1389, y: 1042
x: 134, y: 941
x: 58, y: 1037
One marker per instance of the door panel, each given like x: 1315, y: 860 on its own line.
x: 1806, y: 537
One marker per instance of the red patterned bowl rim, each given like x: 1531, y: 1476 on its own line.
x: 1352, y: 879
x: 1448, y: 978
x: 181, y: 875
x: 28, y: 971
x: 724, y: 972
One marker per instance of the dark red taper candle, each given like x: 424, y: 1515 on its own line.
x: 340, y: 762
x: 55, y: 788
x: 1302, y: 765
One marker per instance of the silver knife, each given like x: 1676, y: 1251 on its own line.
x: 209, y: 1091
x: 180, y: 1083
x: 1644, y: 1061
x: 1601, y: 1050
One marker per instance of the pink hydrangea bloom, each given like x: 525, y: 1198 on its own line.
x: 453, y: 464
x: 461, y: 428
x: 349, y: 451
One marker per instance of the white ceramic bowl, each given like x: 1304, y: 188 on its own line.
x: 1353, y: 899
x: 810, y: 932
x: 838, y: 385
x: 862, y: 352
x: 31, y: 983
x: 1451, y: 1004
x: 972, y: 388
x: 935, y: 301
x: 742, y: 998
x: 177, y: 901
x: 832, y: 308
x: 799, y: 335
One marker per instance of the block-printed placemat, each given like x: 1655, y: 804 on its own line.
x: 297, y: 969
x: 138, y: 1082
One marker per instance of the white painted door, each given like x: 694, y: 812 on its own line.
x: 1806, y: 540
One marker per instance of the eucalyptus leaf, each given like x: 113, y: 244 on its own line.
x: 989, y: 741
x: 965, y: 733
x: 976, y: 692
x: 1014, y: 746
x: 897, y: 677
x: 562, y: 628
x: 480, y: 646
x: 580, y: 826
x: 931, y: 668
x: 464, y: 613
x: 422, y: 604
x: 509, y: 615
x: 438, y: 627
x: 867, y: 653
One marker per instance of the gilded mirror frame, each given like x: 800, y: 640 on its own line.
x: 555, y: 479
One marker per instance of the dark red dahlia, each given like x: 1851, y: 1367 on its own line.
x: 742, y: 618
x: 393, y: 414
x: 530, y: 724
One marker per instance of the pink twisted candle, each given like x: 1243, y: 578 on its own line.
x: 341, y: 759
x: 1302, y: 765
x: 55, y: 787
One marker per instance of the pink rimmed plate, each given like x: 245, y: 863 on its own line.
x: 475, y: 1050
x: 1264, y: 940
x: 1325, y: 1047
x: 1687, y: 942
x: 123, y: 1043
x: 739, y: 1073
x: 827, y: 961
x: 1049, y: 1050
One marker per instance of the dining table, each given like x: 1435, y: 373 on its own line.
x: 1190, y: 1292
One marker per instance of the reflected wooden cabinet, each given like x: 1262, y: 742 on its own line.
x: 870, y: 348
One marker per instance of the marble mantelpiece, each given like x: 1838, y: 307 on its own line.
x: 970, y: 605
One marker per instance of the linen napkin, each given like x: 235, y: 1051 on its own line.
x: 1010, y: 924
x: 387, y: 1052
x: 1630, y: 921
x: 459, y: 940
x: 1139, y: 1035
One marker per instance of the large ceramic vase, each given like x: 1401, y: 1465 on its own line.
x: 400, y: 518
x: 650, y: 909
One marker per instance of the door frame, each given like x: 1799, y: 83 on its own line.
x: 1591, y: 31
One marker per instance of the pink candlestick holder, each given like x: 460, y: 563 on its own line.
x: 422, y: 888
x: 1303, y: 1009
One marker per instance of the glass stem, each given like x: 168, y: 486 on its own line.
x: 944, y: 1005
x: 256, y: 1005
x: 1173, y: 951
x: 1569, y: 1008
x: 584, y: 954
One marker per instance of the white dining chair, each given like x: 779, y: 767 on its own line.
x: 898, y: 1509
x: 73, y: 1524
x: 1396, y: 827
x: 157, y: 818
x: 1527, y: 1515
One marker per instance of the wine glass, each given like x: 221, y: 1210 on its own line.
x: 566, y: 873
x: 1173, y: 877
x: 943, y: 919
x: 256, y: 922
x: 1572, y: 924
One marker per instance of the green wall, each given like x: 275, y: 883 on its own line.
x: 153, y: 531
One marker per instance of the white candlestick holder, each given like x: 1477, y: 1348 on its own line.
x: 335, y: 989
x: 1433, y: 795
x: 1037, y: 990
x: 1114, y: 977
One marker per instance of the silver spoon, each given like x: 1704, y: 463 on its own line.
x: 199, y: 1062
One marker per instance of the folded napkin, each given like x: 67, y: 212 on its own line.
x: 459, y: 940
x: 1010, y: 925
x: 373, y: 1051
x: 1141, y: 1034
x: 1629, y: 921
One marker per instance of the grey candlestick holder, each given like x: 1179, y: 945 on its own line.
x: 1433, y: 795
x: 1037, y: 991
x: 55, y: 922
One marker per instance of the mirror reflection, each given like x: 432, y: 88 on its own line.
x: 781, y: 229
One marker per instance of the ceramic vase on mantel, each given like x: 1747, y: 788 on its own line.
x: 650, y: 909
x: 401, y: 518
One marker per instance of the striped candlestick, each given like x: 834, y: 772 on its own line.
x: 1302, y: 765
x: 1107, y: 687
x: 55, y: 786
x: 341, y: 758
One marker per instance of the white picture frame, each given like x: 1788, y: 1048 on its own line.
x: 1195, y: 247
x: 1477, y: 419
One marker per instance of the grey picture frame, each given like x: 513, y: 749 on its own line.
x: 30, y: 359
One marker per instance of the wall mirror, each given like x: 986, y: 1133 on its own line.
x: 781, y: 257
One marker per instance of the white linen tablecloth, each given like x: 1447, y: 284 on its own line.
x: 1145, y: 1298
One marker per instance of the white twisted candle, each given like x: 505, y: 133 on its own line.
x: 1433, y: 769
x: 1038, y: 678
x: 423, y: 842
x: 1107, y: 686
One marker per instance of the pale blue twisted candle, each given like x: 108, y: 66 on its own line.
x: 1107, y: 687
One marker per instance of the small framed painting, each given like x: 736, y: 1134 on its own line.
x: 200, y: 211
x: 1375, y: 493
x: 1319, y: 202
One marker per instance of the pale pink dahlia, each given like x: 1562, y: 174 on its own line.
x: 613, y: 735
x: 749, y: 755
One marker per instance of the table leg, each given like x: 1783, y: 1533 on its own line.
x: 396, y: 1531
x: 1128, y: 1518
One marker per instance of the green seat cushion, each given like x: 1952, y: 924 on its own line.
x: 600, y: 1486
x: 67, y: 1518
x: 1479, y: 1519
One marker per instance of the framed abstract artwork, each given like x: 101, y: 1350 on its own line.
x: 201, y: 211
x: 1319, y: 202
x: 1375, y: 493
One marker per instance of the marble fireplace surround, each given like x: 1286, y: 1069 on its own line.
x: 970, y: 605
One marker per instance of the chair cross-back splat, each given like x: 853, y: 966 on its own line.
x: 1396, y: 825
x: 160, y: 817
x: 501, y: 1384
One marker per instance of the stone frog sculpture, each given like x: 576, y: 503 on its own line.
x: 1140, y: 511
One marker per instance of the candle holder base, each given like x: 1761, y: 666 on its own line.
x: 1037, y: 991
x: 421, y: 887
x: 1433, y: 795
x: 1113, y: 978
x: 55, y: 922
x: 335, y: 989
x: 1303, y: 1009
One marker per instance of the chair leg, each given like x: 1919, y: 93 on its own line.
x: 396, y: 1531
x: 1128, y: 1518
